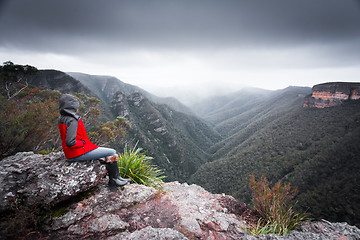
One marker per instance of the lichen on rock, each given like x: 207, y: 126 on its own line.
x: 48, y: 179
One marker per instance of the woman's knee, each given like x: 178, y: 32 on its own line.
x: 106, y: 151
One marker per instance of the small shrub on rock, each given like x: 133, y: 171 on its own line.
x: 273, y: 204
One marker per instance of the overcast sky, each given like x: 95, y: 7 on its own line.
x: 173, y: 47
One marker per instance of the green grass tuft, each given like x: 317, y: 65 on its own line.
x: 134, y: 164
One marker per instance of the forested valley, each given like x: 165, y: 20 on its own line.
x: 217, y: 143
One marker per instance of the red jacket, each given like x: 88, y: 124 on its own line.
x: 82, y: 143
x: 72, y: 130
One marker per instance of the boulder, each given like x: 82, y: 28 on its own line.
x: 189, y: 210
x: 101, y: 212
x: 47, y: 179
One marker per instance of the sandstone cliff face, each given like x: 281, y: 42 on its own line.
x: 134, y: 212
x: 332, y: 94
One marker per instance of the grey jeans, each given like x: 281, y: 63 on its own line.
x: 94, y: 154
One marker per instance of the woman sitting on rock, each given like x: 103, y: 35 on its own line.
x: 77, y: 146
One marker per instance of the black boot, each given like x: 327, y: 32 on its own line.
x: 114, y: 175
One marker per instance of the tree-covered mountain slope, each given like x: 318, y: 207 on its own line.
x: 106, y: 86
x: 57, y: 80
x: 178, y: 142
x: 232, y: 113
x: 219, y: 108
x: 256, y: 116
x: 316, y: 150
x: 64, y: 83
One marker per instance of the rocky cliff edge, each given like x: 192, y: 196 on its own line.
x: 181, y: 211
x: 332, y: 94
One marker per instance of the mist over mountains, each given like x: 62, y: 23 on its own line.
x: 106, y: 86
x: 217, y: 143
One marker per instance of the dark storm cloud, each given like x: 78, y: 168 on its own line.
x: 66, y: 25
